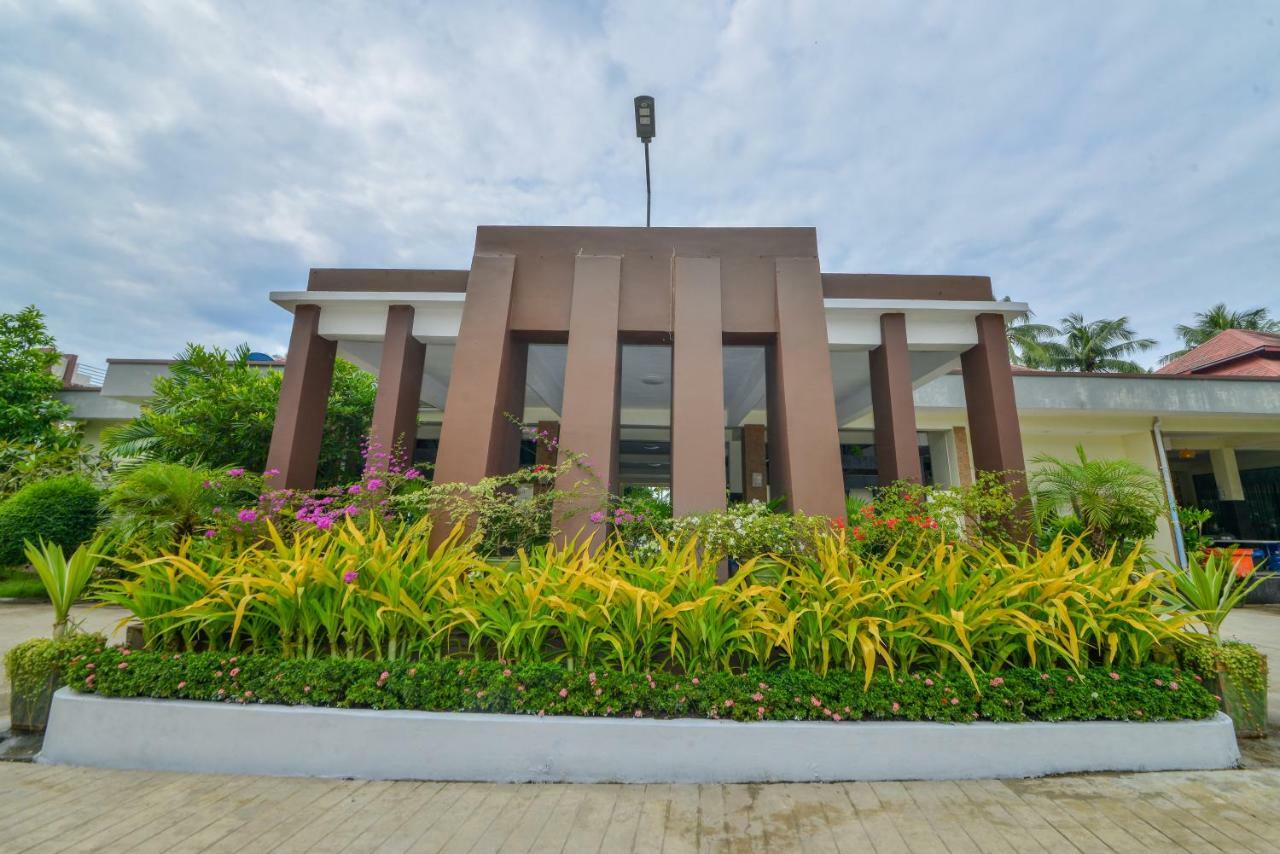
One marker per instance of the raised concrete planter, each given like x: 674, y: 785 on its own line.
x: 176, y: 735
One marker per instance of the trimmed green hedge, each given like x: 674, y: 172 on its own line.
x: 62, y: 510
x: 1146, y: 693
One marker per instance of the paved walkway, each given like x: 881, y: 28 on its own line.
x: 70, y: 809
x: 45, y: 808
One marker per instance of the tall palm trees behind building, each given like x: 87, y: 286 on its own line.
x: 1110, y: 345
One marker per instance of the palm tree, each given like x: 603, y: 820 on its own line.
x: 1027, y: 342
x: 1096, y: 346
x: 1219, y: 319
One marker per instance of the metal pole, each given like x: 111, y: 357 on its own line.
x: 648, y: 189
x: 1176, y: 525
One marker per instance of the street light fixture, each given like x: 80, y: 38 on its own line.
x: 646, y: 130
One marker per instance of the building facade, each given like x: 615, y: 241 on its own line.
x: 727, y: 349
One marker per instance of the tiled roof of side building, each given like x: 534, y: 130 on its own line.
x: 1227, y: 346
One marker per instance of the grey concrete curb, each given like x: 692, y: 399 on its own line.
x: 180, y: 735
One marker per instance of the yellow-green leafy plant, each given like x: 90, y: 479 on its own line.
x: 64, y: 579
x: 379, y: 591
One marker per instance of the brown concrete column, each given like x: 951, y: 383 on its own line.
x: 304, y: 397
x: 395, y: 410
x: 697, y: 393
x: 754, y: 464
x: 589, y: 413
x: 477, y: 439
x: 992, y: 410
x: 804, y: 442
x: 892, y: 405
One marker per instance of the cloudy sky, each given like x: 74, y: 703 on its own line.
x: 166, y: 164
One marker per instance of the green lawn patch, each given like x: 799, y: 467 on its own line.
x: 20, y: 583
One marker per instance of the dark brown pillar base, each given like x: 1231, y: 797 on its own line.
x: 893, y: 407
x: 697, y: 394
x: 486, y: 388
x: 304, y: 398
x: 804, y: 441
x: 589, y: 413
x: 395, y: 411
x: 994, y: 432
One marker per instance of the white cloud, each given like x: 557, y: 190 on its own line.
x: 164, y: 165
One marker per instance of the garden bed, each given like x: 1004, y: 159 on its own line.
x: 178, y: 735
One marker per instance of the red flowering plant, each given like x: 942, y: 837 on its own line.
x: 911, y: 517
x: 899, y: 517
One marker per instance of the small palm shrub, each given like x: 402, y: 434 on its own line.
x: 63, y: 511
x: 1117, y: 501
x: 156, y: 505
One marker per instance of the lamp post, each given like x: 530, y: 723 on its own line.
x: 646, y: 130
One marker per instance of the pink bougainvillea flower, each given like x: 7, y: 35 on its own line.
x: 350, y: 576
x: 374, y: 484
x: 353, y: 489
x: 324, y: 523
x: 597, y: 517
x: 411, y: 474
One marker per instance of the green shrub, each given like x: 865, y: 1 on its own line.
x: 1241, y: 661
x: 750, y: 530
x: 61, y: 510
x: 1146, y: 693
x: 30, y: 663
